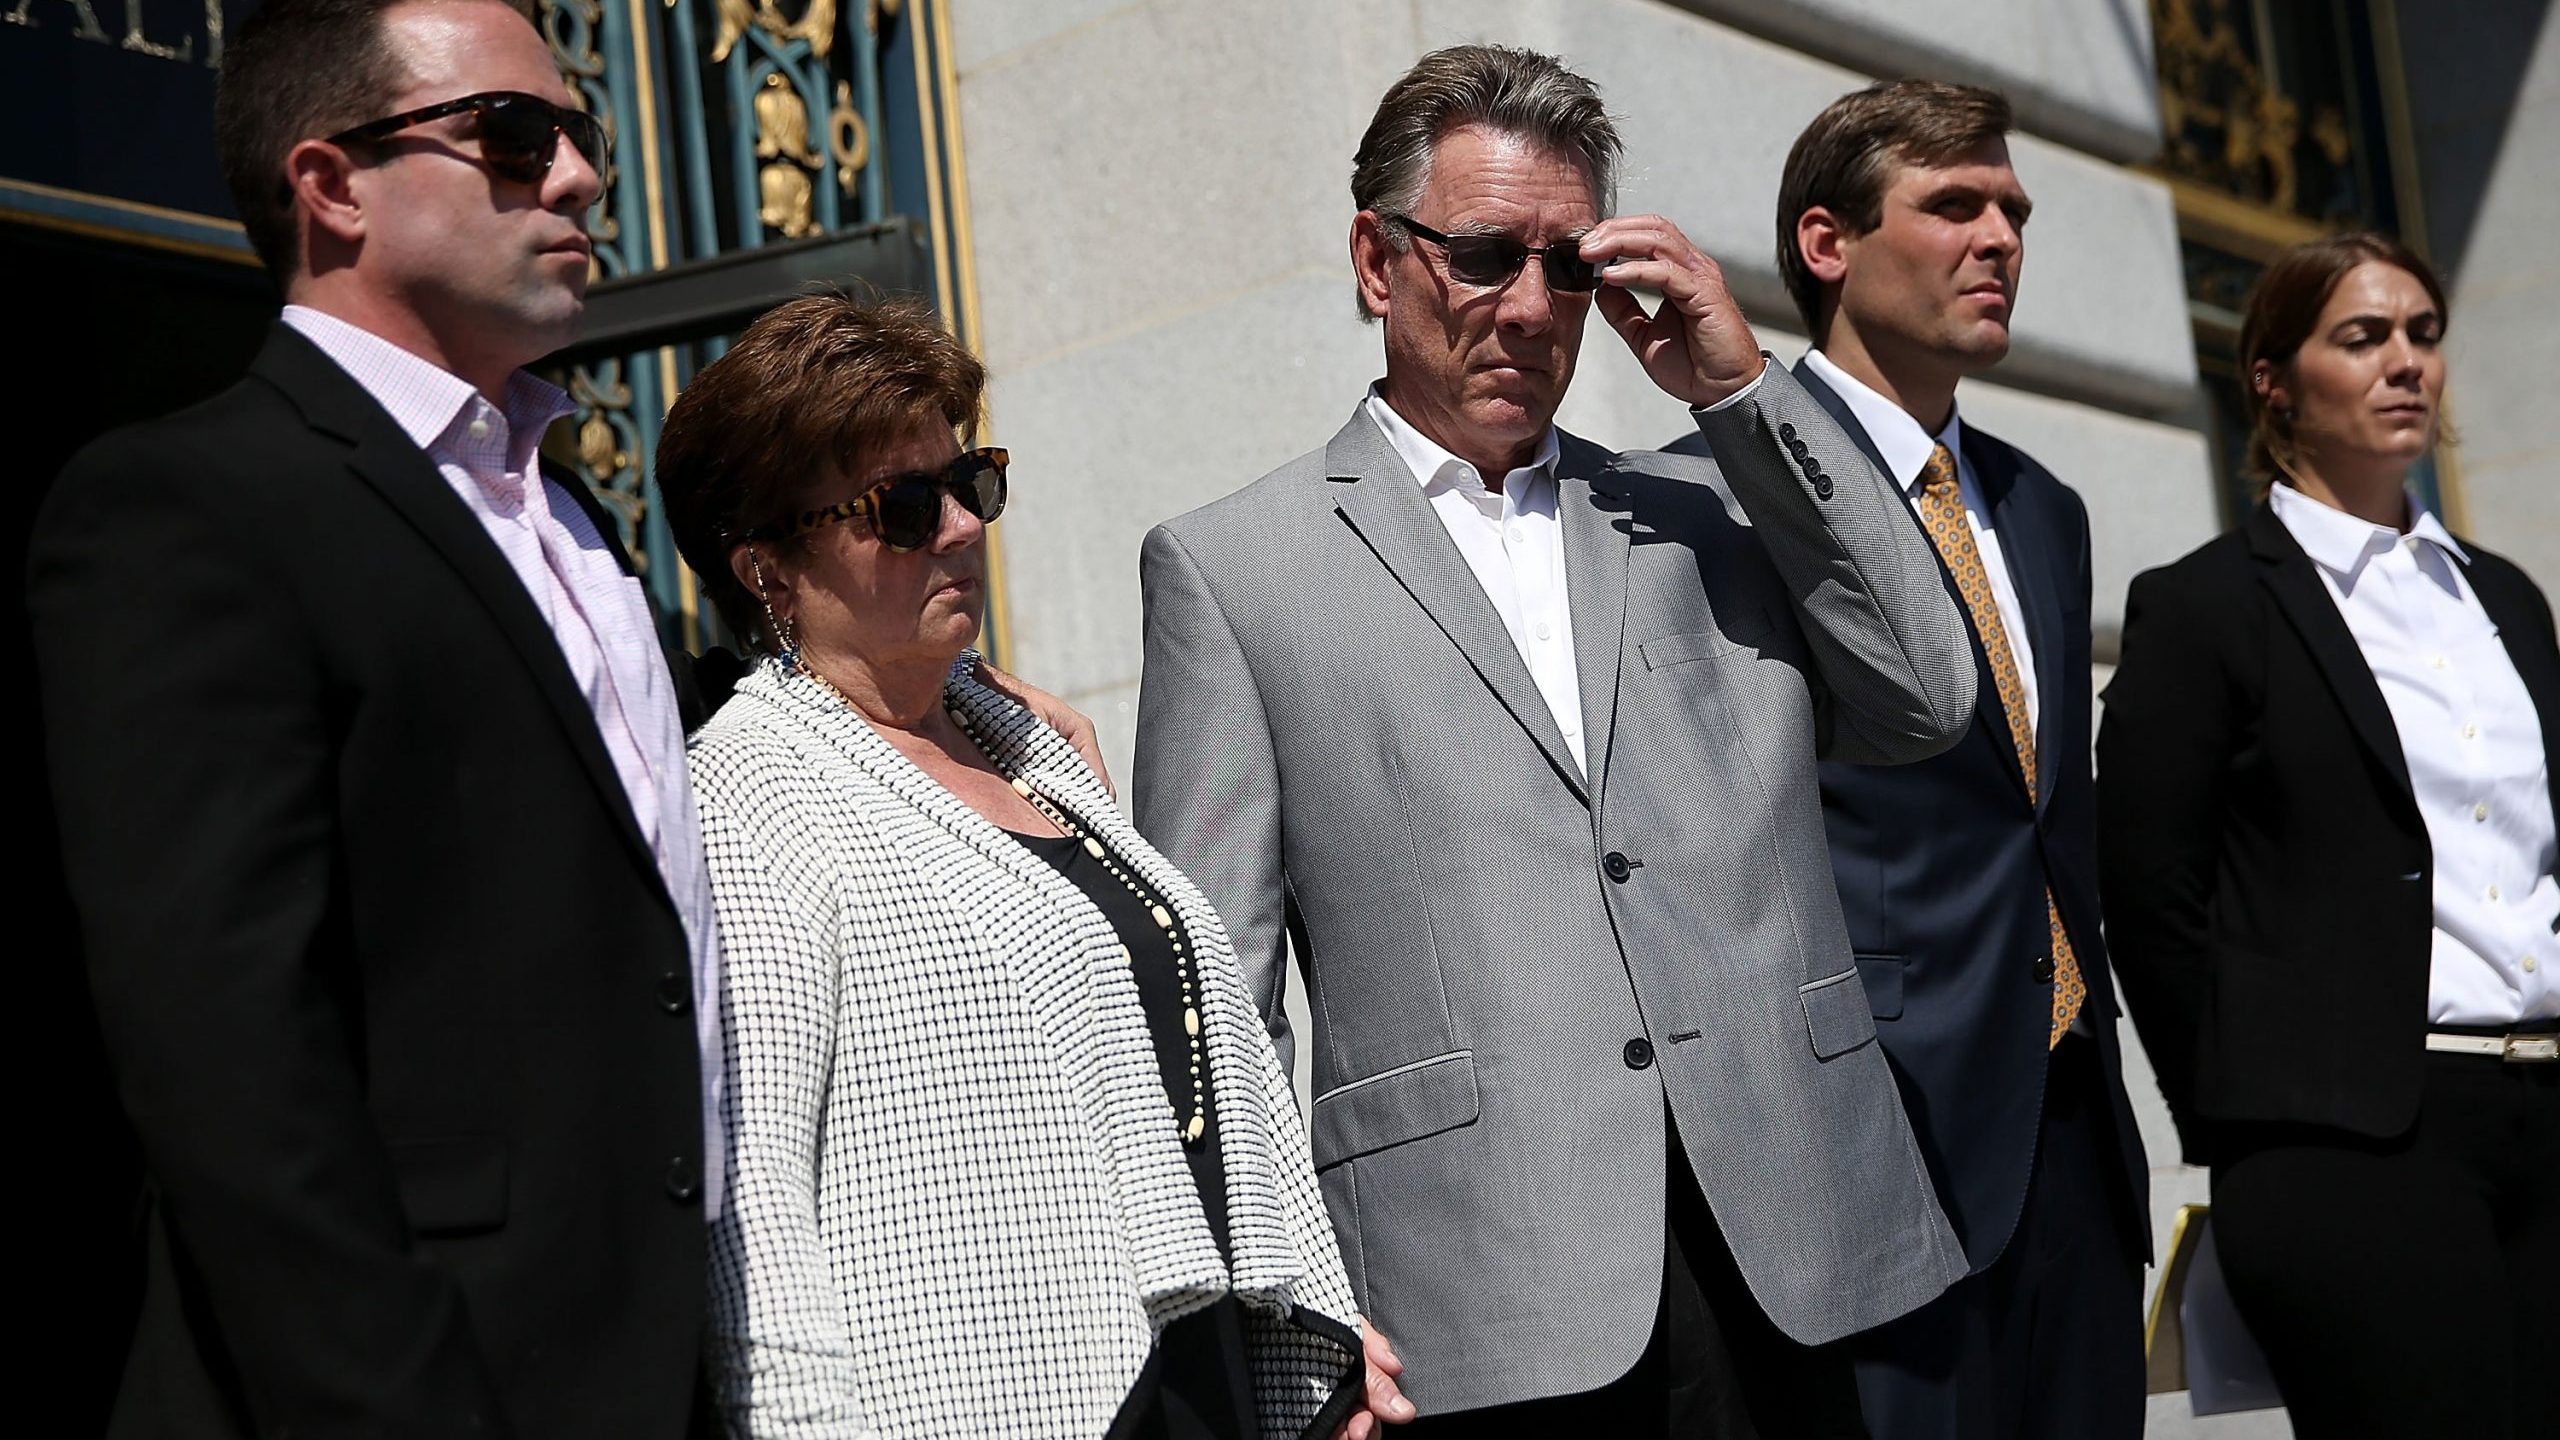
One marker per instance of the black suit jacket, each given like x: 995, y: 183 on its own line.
x: 2269, y: 882
x: 1942, y: 867
x: 391, y: 986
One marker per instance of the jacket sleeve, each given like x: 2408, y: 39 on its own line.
x: 781, y: 1347
x: 2164, y: 751
x: 1207, y: 779
x: 1889, y: 646
x: 190, y: 727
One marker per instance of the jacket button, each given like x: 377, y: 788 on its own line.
x: 1615, y: 866
x: 684, y: 1183
x: 1786, y: 431
x: 1821, y: 486
x: 1639, y: 1054
x: 675, y: 992
x: 2043, y: 969
x: 1798, y: 449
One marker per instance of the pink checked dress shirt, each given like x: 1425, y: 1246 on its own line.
x: 599, y: 615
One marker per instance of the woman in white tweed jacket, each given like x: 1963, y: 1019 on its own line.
x: 1012, y: 1153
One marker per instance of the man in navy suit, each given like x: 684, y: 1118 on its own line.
x: 1970, y: 880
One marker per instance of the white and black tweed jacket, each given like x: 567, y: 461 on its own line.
x: 959, y: 1203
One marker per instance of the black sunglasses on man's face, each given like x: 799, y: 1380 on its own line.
x: 519, y: 133
x: 1491, y: 260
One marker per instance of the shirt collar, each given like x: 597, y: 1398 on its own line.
x: 2341, y: 543
x: 1905, y: 446
x: 433, y: 406
x: 1434, y: 466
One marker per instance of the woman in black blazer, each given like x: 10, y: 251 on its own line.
x: 2326, y: 853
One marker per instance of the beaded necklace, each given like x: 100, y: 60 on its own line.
x: 1193, y: 1129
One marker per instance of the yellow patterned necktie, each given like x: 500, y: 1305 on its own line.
x: 1941, y: 509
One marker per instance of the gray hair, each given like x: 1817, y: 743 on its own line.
x: 1512, y: 92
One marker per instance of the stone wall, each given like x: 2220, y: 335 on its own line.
x: 2484, y: 101
x: 1161, y: 204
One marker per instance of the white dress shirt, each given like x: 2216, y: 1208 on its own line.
x: 1514, y: 542
x: 490, y: 456
x: 1515, y: 546
x: 1906, y: 448
x: 2473, y: 741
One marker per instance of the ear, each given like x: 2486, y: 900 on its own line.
x: 1371, y: 258
x: 760, y: 575
x: 2267, y: 381
x: 1822, y: 243
x: 322, y: 177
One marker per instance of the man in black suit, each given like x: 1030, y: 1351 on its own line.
x: 1969, y: 880
x: 372, y: 793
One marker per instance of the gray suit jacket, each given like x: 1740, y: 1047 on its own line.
x: 1510, y: 967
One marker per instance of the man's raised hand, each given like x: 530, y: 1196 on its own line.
x: 1696, y: 346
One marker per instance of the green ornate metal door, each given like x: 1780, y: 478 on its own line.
x: 758, y: 145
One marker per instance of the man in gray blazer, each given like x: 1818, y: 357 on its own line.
x: 1517, y: 738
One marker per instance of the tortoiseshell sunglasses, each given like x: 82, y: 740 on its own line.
x: 905, y: 511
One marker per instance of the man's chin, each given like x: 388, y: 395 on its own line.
x: 1511, y: 415
x: 555, y: 318
x: 1983, y: 345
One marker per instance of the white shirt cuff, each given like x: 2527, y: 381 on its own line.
x: 1738, y: 396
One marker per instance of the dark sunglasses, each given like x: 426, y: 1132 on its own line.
x: 519, y: 133
x: 906, y: 510
x: 1491, y: 260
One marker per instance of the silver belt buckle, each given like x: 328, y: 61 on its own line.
x: 2532, y: 1049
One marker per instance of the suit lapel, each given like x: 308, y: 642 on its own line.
x: 2513, y: 609
x: 1987, y: 711
x: 2019, y: 517
x: 1829, y: 399
x: 385, y: 458
x: 608, y: 529
x: 692, y: 707
x: 1376, y: 494
x: 1590, y: 510
x: 2289, y: 575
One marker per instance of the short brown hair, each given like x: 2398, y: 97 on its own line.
x: 1844, y: 158
x: 2284, y: 308
x: 811, y: 386
x: 299, y: 70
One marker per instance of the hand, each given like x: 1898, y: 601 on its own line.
x: 1053, y: 712
x: 1386, y: 1404
x: 1697, y: 347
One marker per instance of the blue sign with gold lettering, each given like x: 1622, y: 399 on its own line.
x: 106, y: 120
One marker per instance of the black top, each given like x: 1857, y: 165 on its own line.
x: 1160, y: 993
x: 1196, y: 1385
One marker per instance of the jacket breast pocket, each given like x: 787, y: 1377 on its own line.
x: 1836, y: 1017
x: 1395, y: 1107
x: 452, y: 1186
x: 1743, y: 629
